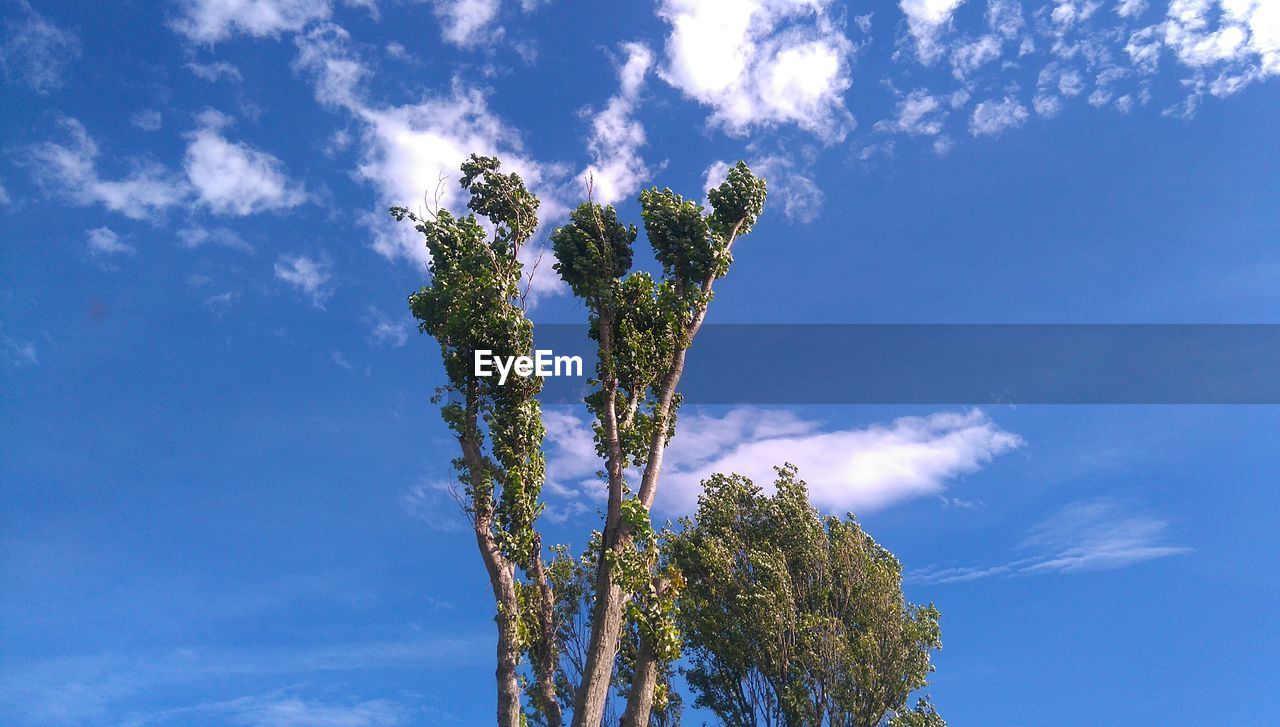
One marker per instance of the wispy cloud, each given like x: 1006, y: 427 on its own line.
x: 102, y: 687
x: 384, y: 330
x: 35, y: 52
x: 18, y: 353
x: 616, y: 136
x: 1091, y: 535
x: 285, y: 710
x: 860, y: 469
x: 310, y: 275
x: 104, y: 242
x: 432, y: 501
x: 71, y: 170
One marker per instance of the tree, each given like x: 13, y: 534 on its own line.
x: 643, y: 328
x: 790, y: 618
x: 474, y: 302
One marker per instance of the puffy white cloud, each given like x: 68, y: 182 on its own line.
x: 210, y: 21
x: 232, y: 177
x: 411, y: 153
x: 307, y: 274
x: 467, y: 22
x: 1005, y: 17
x: 70, y: 170
x: 36, y: 52
x: 969, y: 57
x: 761, y: 63
x: 992, y: 118
x: 1047, y: 105
x: 4, y: 196
x: 927, y: 22
x: 858, y: 470
x: 1090, y: 535
x: 919, y: 114
x: 1244, y: 42
x: 616, y: 136
x: 104, y: 241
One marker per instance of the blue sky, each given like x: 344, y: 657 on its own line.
x: 221, y: 473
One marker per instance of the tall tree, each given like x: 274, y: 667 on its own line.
x: 643, y: 328
x: 474, y: 302
x: 791, y: 618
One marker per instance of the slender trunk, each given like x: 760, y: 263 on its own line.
x: 606, y: 613
x: 545, y: 655
x: 502, y: 580
x: 606, y: 627
x: 501, y: 571
x: 643, y: 681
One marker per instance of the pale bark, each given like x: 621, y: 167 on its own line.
x: 501, y: 571
x: 607, y: 611
x: 643, y: 681
x: 545, y: 654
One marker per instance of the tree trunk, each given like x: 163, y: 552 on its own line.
x: 502, y: 580
x: 606, y: 627
x: 545, y: 655
x: 606, y: 613
x: 643, y: 681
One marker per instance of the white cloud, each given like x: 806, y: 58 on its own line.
x: 4, y: 196
x: 1005, y: 17
x: 992, y: 118
x: 761, y: 64
x: 969, y: 57
x: 307, y: 274
x: 385, y: 330
x: 1091, y: 535
x: 1131, y: 8
x: 433, y: 502
x: 232, y: 177
x: 919, y: 114
x: 411, y: 153
x: 214, y: 72
x: 104, y: 241
x: 147, y: 120
x: 1047, y: 105
x: 195, y: 237
x: 617, y: 169
x: 71, y: 170
x: 466, y: 22
x: 36, y: 52
x: 210, y: 21
x: 847, y: 470
x: 20, y: 353
x: 927, y: 22
x: 283, y: 711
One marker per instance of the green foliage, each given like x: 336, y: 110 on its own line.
x: 593, y: 250
x: 921, y: 715
x: 471, y: 303
x: 792, y: 618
